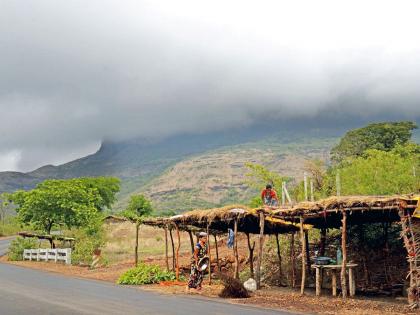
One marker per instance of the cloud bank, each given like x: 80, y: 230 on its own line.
x: 73, y: 73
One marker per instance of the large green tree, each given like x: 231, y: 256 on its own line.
x: 138, y: 208
x: 378, y: 172
x: 72, y: 202
x: 379, y: 136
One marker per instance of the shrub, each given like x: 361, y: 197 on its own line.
x: 145, y: 274
x: 18, y: 245
x: 86, y: 243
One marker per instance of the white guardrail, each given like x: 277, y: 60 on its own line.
x: 48, y: 254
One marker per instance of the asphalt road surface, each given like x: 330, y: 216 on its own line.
x: 4, y: 244
x: 28, y: 291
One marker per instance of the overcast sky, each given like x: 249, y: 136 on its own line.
x: 75, y: 72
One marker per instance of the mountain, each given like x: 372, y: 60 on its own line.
x: 190, y: 170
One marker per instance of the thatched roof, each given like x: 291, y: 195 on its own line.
x: 221, y: 219
x: 361, y: 209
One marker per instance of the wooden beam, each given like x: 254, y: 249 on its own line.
x: 136, y: 247
x: 260, y: 249
x: 235, y: 248
x: 209, y: 252
x: 177, y: 252
x: 344, y: 251
x: 166, y: 248
x: 251, y: 256
x: 173, y: 249
x: 217, y: 252
x: 293, y: 259
x: 303, y: 243
x: 279, y: 258
x: 191, y: 241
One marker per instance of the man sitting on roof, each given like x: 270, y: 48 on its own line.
x: 269, y: 196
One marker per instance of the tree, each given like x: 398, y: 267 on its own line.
x: 138, y: 208
x: 72, y: 202
x: 379, y: 136
x: 379, y: 172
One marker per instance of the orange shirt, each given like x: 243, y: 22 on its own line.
x: 269, y: 194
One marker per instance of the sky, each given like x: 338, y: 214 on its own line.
x: 73, y: 73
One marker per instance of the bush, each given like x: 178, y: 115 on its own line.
x: 86, y: 243
x: 145, y: 274
x: 18, y: 245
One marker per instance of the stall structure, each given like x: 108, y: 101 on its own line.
x: 238, y: 218
x: 340, y: 212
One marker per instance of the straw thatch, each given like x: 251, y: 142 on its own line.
x: 221, y: 219
x: 362, y: 209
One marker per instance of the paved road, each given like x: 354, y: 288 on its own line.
x: 4, y: 245
x: 28, y: 291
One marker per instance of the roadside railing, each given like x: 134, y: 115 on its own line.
x: 48, y: 254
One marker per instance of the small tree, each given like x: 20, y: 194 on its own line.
x: 138, y: 208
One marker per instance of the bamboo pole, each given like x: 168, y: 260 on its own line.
x: 209, y: 252
x: 191, y: 241
x: 136, y: 248
x: 166, y: 248
x: 177, y: 252
x: 308, y: 258
x: 344, y: 251
x: 293, y: 259
x: 173, y: 249
x: 235, y: 248
x: 260, y: 249
x: 303, y: 243
x: 251, y: 256
x: 217, y: 252
x: 279, y: 256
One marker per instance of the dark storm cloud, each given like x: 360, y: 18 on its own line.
x: 75, y: 72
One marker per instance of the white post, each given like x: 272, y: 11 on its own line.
x: 338, y: 183
x: 311, y: 182
x: 283, y: 194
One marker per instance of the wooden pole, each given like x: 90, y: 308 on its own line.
x: 293, y: 259
x: 305, y: 185
x: 191, y: 241
x: 209, y: 252
x: 323, y: 242
x: 283, y: 194
x: 235, y: 248
x: 308, y: 258
x: 303, y: 243
x: 344, y: 251
x: 311, y: 184
x: 217, y: 252
x: 279, y: 257
x: 173, y: 249
x: 260, y: 249
x: 136, y: 248
x: 251, y: 256
x: 166, y: 248
x: 177, y: 252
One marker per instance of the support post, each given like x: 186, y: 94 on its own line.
x: 318, y: 281
x: 260, y: 249
x: 177, y: 251
x: 136, y: 248
x: 308, y: 258
x: 305, y: 185
x: 251, y: 255
x: 303, y: 243
x: 344, y: 251
x: 209, y: 252
x: 173, y: 249
x: 166, y: 248
x: 191, y: 241
x: 217, y: 252
x: 323, y: 242
x: 293, y: 259
x: 334, y: 282
x: 311, y: 184
x: 279, y: 257
x: 235, y: 248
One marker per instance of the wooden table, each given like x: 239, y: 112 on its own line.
x: 334, y: 268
